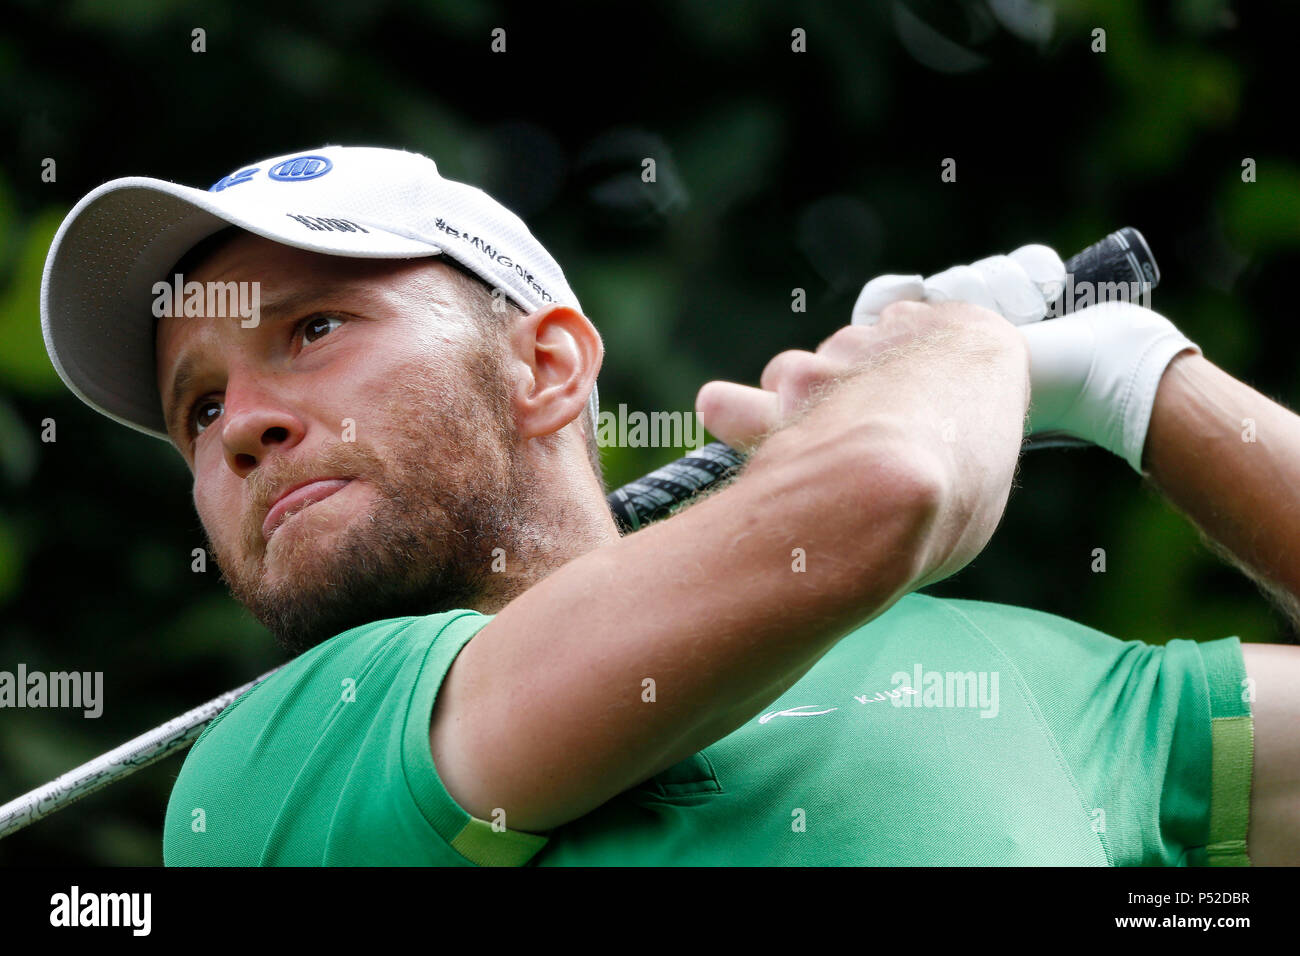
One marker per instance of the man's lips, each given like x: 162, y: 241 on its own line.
x: 297, y: 498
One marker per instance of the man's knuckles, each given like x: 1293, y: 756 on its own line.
x: 794, y: 374
x: 849, y: 344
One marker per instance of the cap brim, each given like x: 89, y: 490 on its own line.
x: 97, y: 290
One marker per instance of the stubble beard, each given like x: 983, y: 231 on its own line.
x: 449, y: 490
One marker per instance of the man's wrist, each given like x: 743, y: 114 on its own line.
x: 1171, y: 407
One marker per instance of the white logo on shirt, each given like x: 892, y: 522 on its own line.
x: 967, y: 689
x: 800, y: 711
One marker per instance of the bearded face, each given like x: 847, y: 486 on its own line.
x: 354, y: 454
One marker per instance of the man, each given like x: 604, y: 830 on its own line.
x: 395, y: 472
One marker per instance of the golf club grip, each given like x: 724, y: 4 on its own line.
x: 1121, y: 260
x: 1123, y: 257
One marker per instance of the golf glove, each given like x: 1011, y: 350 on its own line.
x: 1093, y: 373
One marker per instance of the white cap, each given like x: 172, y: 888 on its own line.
x: 356, y: 201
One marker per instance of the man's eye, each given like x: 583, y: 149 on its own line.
x: 318, y: 326
x: 204, y: 413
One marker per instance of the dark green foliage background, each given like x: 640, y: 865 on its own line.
x: 776, y: 170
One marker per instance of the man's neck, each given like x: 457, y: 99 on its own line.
x: 575, y: 523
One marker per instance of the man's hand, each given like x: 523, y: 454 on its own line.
x: 1094, y: 373
x: 742, y: 416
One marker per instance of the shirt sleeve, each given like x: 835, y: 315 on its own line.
x: 1231, y: 755
x: 328, y: 763
x: 1158, y: 737
x: 478, y: 841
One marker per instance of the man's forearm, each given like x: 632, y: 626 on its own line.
x: 1229, y: 458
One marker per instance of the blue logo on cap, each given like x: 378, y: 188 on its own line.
x: 300, y: 168
x: 234, y: 179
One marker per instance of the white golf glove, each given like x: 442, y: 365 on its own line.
x: 1018, y: 287
x: 1093, y: 373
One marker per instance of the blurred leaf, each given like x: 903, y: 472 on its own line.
x: 630, y: 305
x: 299, y: 62
x: 1264, y: 216
x: 42, y: 744
x: 1172, y: 94
x: 11, y: 562
x: 8, y: 232
x: 24, y: 364
x: 213, y: 626
x: 17, y: 447
x: 730, y: 153
x: 126, y: 17
x: 126, y: 844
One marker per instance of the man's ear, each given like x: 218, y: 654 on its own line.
x: 558, y: 353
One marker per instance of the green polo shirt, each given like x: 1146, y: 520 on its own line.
x: 944, y: 732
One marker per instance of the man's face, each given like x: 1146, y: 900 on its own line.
x: 353, y: 453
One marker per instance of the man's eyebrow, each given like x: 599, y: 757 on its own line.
x: 276, y: 309
x: 280, y: 306
x: 181, y: 380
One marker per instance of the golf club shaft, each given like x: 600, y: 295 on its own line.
x: 150, y: 747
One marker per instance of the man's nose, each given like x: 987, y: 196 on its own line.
x: 258, y: 421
